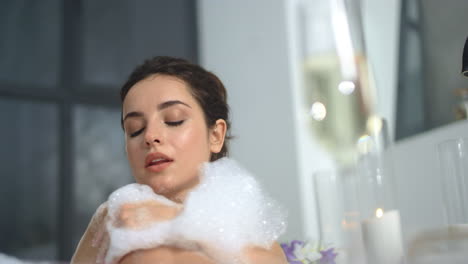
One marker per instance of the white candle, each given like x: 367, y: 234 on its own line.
x: 382, y: 238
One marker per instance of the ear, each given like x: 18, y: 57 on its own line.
x: 217, y: 135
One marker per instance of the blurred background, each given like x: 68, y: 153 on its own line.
x: 62, y: 64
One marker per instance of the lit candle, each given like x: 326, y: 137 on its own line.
x: 382, y: 238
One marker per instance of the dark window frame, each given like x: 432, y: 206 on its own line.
x: 69, y: 92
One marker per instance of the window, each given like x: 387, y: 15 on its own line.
x: 61, y: 143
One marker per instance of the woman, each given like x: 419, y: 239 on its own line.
x: 175, y: 117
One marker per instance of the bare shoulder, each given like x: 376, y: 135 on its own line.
x: 98, y: 218
x: 259, y: 255
x: 85, y: 251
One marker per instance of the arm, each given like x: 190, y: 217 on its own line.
x: 171, y: 254
x: 94, y: 243
x: 258, y: 255
x: 165, y: 254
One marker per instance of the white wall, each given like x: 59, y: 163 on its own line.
x: 382, y: 29
x: 244, y: 42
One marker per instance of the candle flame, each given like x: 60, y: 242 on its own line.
x: 379, y: 212
x: 374, y: 124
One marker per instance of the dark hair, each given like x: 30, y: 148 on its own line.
x: 206, y: 88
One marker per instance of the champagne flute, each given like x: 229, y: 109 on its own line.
x: 338, y: 91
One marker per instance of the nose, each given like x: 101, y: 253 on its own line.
x: 151, y: 141
x: 153, y: 135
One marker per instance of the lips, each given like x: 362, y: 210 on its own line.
x: 157, y: 162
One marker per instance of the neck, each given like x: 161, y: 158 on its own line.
x: 180, y: 195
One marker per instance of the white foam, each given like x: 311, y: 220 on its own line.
x: 10, y: 260
x: 5, y: 259
x: 226, y: 212
x: 133, y: 193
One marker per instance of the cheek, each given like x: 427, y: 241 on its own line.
x: 133, y: 152
x: 194, y: 141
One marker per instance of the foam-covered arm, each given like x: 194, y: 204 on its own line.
x: 138, y: 219
x: 226, y: 214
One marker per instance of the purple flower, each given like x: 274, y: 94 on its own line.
x: 289, y: 251
x: 328, y: 256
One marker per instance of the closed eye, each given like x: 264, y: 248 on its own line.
x: 175, y: 123
x: 136, y: 133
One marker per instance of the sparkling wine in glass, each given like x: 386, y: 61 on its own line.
x: 338, y: 88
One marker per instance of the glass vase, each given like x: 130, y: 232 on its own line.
x: 338, y: 214
x: 453, y: 161
x: 447, y: 243
x: 380, y: 217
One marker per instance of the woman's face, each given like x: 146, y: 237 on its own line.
x: 166, y: 136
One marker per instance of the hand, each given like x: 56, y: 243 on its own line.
x: 142, y: 214
x: 137, y: 216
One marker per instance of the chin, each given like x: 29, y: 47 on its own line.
x: 160, y: 186
x: 158, y: 189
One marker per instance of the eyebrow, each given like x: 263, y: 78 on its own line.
x: 167, y: 104
x: 160, y: 107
